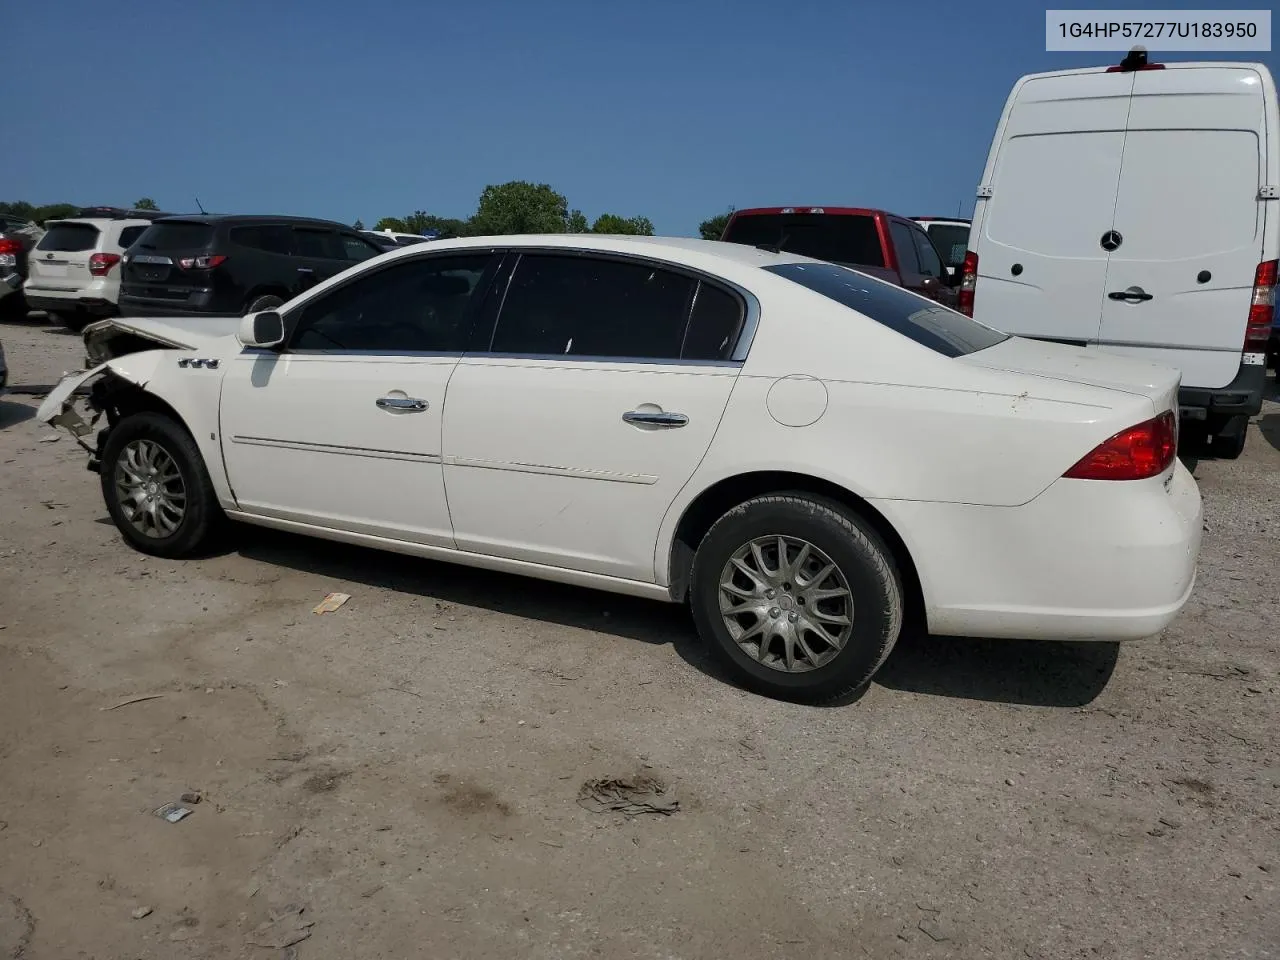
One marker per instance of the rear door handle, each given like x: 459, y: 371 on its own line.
x: 655, y: 418
x: 1134, y: 294
x: 402, y: 404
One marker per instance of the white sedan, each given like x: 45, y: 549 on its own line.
x: 805, y: 455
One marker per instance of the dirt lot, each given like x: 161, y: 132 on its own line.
x: 407, y: 769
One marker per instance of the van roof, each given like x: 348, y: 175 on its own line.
x: 1167, y: 65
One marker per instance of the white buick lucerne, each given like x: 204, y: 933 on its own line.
x: 800, y: 452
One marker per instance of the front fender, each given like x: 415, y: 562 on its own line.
x: 192, y: 392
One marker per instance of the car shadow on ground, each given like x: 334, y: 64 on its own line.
x: 1002, y: 671
x: 1269, y: 425
x: 14, y: 413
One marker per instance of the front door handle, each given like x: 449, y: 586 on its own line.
x: 655, y: 418
x: 402, y: 404
x: 1133, y: 295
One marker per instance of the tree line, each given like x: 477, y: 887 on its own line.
x: 505, y: 208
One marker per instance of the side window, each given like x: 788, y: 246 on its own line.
x: 357, y: 248
x: 714, y: 325
x: 418, y: 305
x: 904, y: 247
x: 930, y: 262
x: 319, y: 244
x: 267, y: 238
x: 576, y: 306
x: 128, y: 235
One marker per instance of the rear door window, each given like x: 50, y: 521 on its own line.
x: 176, y: 235
x: 579, y: 306
x: 357, y: 248
x: 930, y: 262
x: 267, y: 237
x: 69, y: 238
x: 714, y: 326
x: 905, y: 248
x: 129, y: 235
x: 317, y: 244
x: 840, y: 238
x: 942, y: 330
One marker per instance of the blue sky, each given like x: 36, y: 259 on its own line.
x: 673, y: 110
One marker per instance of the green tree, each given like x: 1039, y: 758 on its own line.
x: 146, y: 203
x: 391, y: 223
x: 576, y: 223
x: 20, y: 209
x: 55, y: 211
x: 420, y: 222
x: 520, y: 207
x: 713, y: 228
x: 358, y: 225
x: 633, y: 226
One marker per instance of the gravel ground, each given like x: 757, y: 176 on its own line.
x: 407, y: 768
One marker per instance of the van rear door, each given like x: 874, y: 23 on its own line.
x: 1041, y: 269
x: 1189, y: 221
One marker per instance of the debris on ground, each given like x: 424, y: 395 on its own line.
x: 140, y: 912
x: 192, y: 796
x: 125, y: 703
x: 51, y: 438
x: 331, y: 602
x: 632, y: 796
x: 16, y: 926
x: 285, y: 928
x: 173, y: 812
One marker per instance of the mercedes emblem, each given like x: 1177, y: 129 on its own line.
x: 1111, y: 240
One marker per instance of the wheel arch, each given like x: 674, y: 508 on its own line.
x: 725, y: 494
x: 270, y: 289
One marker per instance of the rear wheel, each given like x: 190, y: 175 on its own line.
x: 156, y: 487
x: 798, y: 596
x: 74, y: 321
x: 268, y: 302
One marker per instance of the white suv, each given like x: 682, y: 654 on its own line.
x: 73, y: 272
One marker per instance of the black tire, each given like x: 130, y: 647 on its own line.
x: 201, y: 519
x: 74, y: 321
x: 1228, y: 446
x: 860, y: 557
x: 268, y: 302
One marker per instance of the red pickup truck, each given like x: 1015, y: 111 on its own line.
x: 875, y: 242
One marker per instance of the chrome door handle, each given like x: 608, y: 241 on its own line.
x: 1134, y: 294
x: 655, y: 418
x: 407, y: 404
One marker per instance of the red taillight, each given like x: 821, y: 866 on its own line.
x: 201, y: 263
x: 1262, y: 307
x: 8, y: 245
x: 1140, y: 452
x: 968, y: 283
x: 100, y: 264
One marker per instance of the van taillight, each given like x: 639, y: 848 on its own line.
x: 100, y: 264
x: 968, y: 283
x: 1138, y: 453
x: 1262, y: 307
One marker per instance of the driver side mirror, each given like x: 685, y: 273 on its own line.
x: 262, y: 329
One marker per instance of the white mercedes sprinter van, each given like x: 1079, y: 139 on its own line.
x: 1135, y: 209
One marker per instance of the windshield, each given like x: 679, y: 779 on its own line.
x: 951, y: 239
x: 839, y: 238
x: 940, y: 329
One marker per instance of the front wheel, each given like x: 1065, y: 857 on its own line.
x: 798, y: 596
x: 156, y: 487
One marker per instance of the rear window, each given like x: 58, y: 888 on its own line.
x: 176, y: 235
x: 69, y: 237
x: 951, y: 240
x: 129, y: 234
x: 942, y: 330
x: 839, y: 238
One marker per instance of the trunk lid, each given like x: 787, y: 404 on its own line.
x: 1055, y: 361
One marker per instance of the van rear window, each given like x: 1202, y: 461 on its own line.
x: 176, y: 235
x: 838, y: 238
x: 942, y: 330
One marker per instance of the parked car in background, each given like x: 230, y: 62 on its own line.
x: 807, y: 455
x: 214, y: 265
x: 395, y: 239
x: 1136, y: 209
x: 950, y: 237
x: 74, y: 271
x: 877, y: 242
x: 17, y: 237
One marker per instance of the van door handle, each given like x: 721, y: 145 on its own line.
x: 654, y: 418
x: 1133, y: 295
x: 407, y: 404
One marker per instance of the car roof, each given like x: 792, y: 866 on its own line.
x: 100, y: 221
x: 217, y: 218
x: 679, y: 249
x: 814, y: 208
